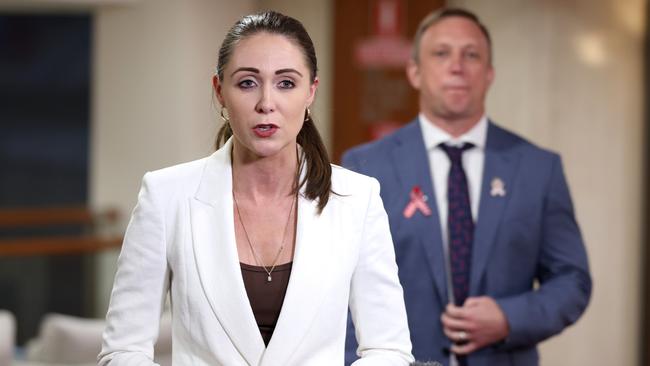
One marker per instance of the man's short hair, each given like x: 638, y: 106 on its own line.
x: 438, y: 15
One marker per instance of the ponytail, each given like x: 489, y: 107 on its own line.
x: 225, y: 132
x: 319, y: 171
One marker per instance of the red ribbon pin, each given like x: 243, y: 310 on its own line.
x: 418, y: 202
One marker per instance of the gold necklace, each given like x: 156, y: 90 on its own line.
x: 250, y: 244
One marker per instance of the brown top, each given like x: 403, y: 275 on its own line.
x: 266, y: 297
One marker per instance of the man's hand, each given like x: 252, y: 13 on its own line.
x: 478, y: 323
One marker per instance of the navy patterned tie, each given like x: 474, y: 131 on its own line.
x: 460, y: 224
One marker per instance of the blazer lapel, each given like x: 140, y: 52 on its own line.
x: 308, y: 283
x: 500, y: 164
x: 215, y: 252
x: 411, y: 160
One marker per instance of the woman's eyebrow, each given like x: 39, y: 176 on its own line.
x: 257, y: 71
x: 289, y: 70
x: 251, y: 69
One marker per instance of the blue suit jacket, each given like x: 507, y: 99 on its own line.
x: 529, y: 235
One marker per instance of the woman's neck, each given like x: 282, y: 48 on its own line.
x: 264, y: 178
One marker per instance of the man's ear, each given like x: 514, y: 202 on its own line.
x: 216, y: 84
x: 490, y: 75
x: 413, y: 73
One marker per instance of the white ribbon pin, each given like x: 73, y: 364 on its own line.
x: 497, y: 187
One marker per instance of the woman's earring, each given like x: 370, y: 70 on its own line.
x: 307, y: 114
x: 224, y: 115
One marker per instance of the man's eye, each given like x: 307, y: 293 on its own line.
x: 246, y: 84
x: 440, y: 53
x: 473, y: 55
x: 286, y: 84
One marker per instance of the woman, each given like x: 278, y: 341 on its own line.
x: 263, y: 245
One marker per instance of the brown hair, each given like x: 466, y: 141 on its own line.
x: 438, y: 15
x: 318, y: 177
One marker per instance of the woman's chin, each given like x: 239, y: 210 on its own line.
x: 268, y: 149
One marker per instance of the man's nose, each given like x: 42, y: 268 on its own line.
x: 456, y: 63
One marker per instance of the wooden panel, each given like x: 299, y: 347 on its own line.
x: 48, y: 216
x: 369, y: 98
x: 645, y: 236
x: 57, y: 245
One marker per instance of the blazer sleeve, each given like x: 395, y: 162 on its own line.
x: 376, y: 298
x: 563, y: 273
x: 140, y: 287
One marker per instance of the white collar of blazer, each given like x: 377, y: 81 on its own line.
x: 215, y: 251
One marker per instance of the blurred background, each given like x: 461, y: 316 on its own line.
x: 94, y: 93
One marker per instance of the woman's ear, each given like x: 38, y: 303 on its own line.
x: 216, y: 84
x: 312, y: 91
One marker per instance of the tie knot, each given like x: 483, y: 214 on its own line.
x: 456, y: 152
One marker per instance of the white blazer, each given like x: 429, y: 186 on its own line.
x: 181, y: 240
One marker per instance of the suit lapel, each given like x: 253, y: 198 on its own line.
x: 500, y: 164
x: 308, y: 283
x: 411, y: 161
x: 215, y: 252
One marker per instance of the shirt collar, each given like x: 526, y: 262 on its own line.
x: 434, y: 135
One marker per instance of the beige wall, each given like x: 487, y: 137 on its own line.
x: 569, y: 77
x: 152, y: 98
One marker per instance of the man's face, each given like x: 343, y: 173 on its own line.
x: 453, y: 71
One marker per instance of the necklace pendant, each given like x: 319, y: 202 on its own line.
x: 268, y: 279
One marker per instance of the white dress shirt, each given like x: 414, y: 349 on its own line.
x: 439, y: 165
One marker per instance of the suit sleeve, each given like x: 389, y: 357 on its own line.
x: 350, y: 161
x: 376, y: 299
x: 563, y: 273
x: 140, y: 287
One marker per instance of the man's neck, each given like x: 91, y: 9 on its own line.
x: 456, y: 127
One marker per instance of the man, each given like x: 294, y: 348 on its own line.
x: 490, y: 256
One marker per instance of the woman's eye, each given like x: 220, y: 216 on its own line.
x: 246, y: 84
x: 286, y: 84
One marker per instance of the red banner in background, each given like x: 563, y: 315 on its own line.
x: 387, y: 46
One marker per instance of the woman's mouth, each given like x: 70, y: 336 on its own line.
x: 265, y: 130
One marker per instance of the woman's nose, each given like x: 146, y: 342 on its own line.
x: 265, y: 104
